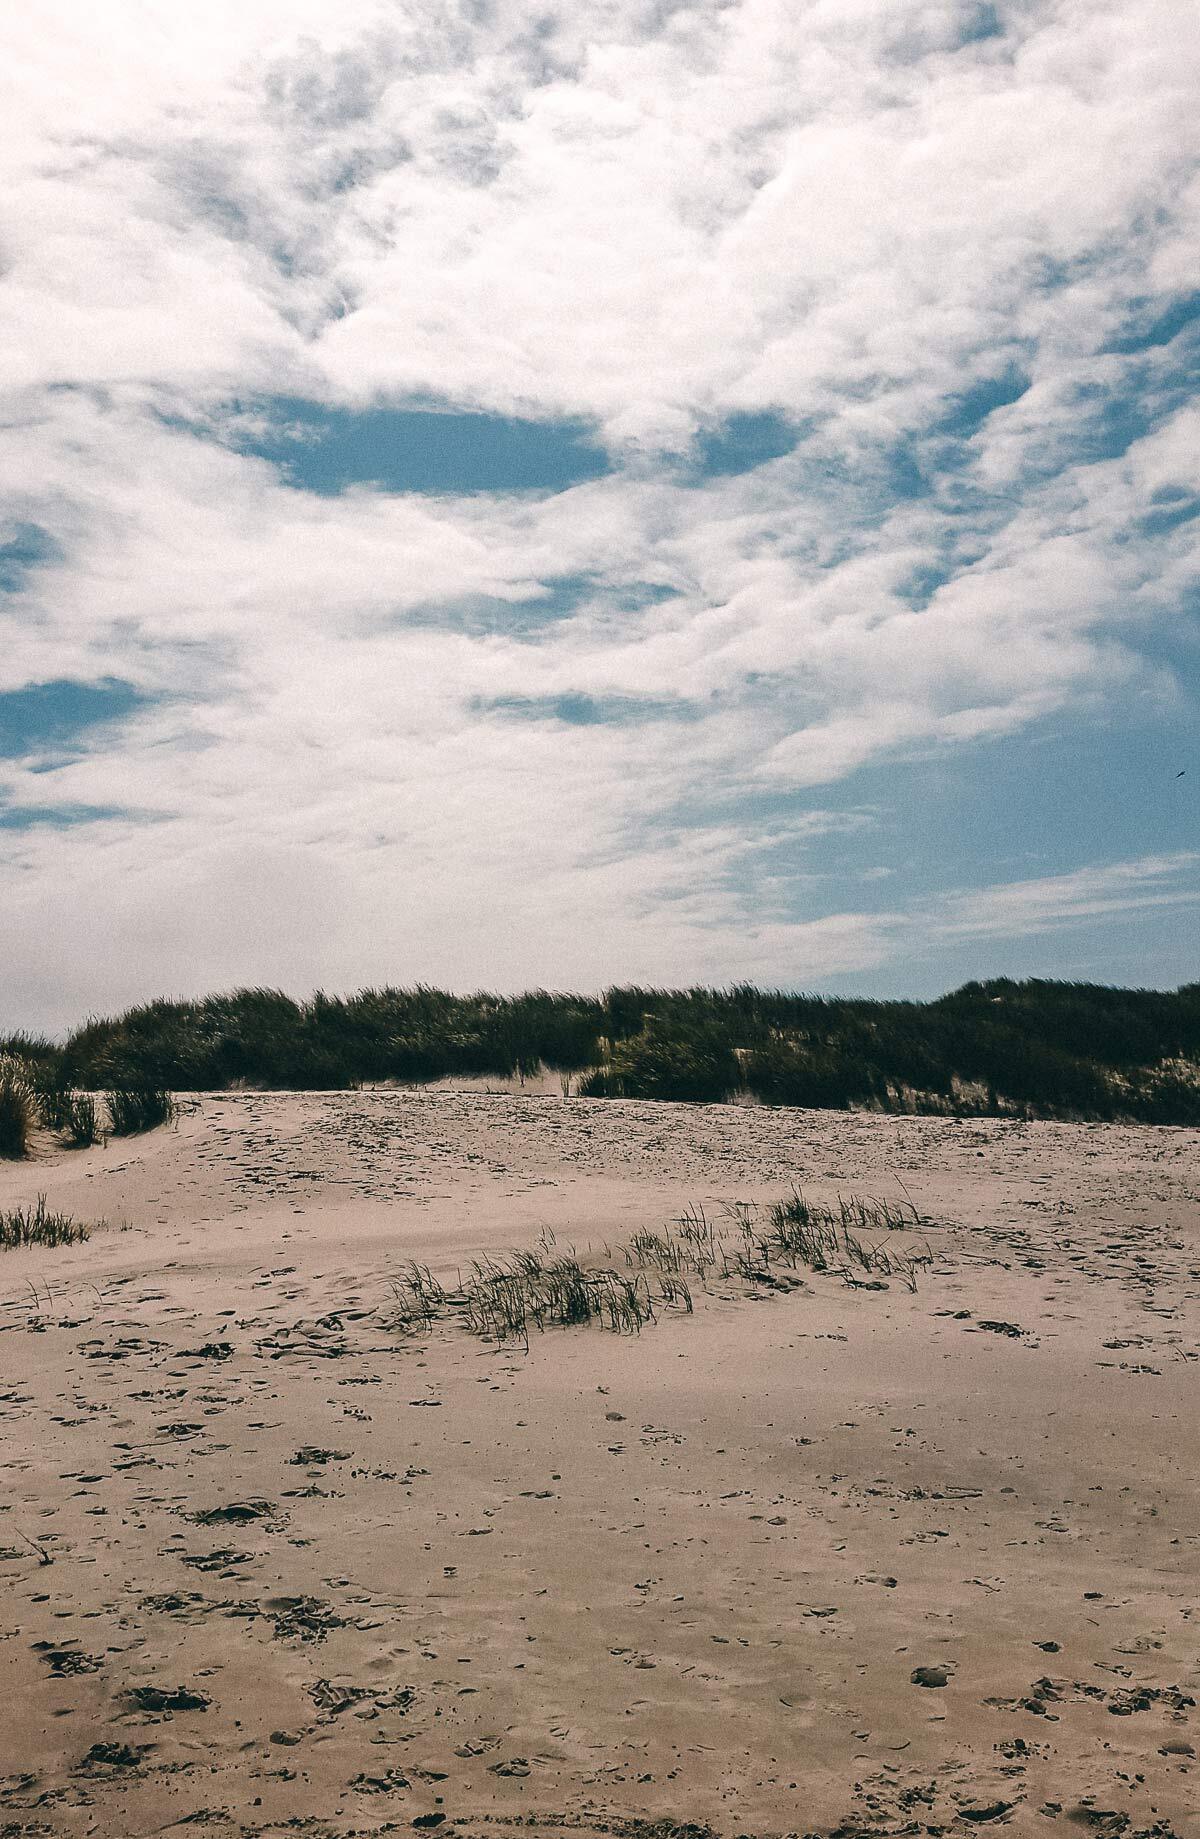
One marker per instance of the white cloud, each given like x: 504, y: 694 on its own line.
x: 643, y: 215
x: 1053, y: 901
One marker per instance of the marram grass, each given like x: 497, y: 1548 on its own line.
x: 36, y: 1225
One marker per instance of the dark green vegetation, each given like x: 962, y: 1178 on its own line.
x: 133, y: 1109
x: 36, y: 1226
x: 689, y: 1060
x: 16, y: 1106
x: 35, y: 1091
x: 81, y: 1119
x: 999, y: 1048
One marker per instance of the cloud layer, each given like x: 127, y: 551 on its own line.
x: 542, y: 488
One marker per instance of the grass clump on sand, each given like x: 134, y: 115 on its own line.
x: 36, y: 1225
x: 832, y: 1239
x: 134, y: 1109
x: 53, y: 1102
x: 796, y: 1231
x: 69, y: 1114
x: 36, y: 1090
x: 17, y: 1112
x: 502, y: 1299
x: 82, y: 1120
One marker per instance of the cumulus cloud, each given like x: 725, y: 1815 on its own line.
x: 932, y: 256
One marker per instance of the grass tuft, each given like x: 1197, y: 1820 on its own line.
x: 796, y: 1231
x: 36, y: 1225
x: 133, y: 1109
x: 82, y: 1120
x: 17, y: 1111
x: 505, y: 1299
x: 832, y: 1239
x: 70, y: 1114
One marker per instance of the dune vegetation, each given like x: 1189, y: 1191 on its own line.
x: 38, y: 1225
x: 38, y: 1095
x: 997, y: 1048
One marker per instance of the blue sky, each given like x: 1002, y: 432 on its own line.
x: 330, y: 449
x: 556, y: 495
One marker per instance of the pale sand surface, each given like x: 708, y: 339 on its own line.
x: 682, y: 1577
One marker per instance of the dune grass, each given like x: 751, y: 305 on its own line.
x: 52, y: 1102
x: 795, y: 1231
x: 73, y: 1115
x: 135, y: 1109
x: 997, y: 1048
x: 17, y: 1110
x: 35, y: 1092
x: 82, y: 1120
x: 832, y: 1239
x: 36, y: 1225
x: 506, y: 1299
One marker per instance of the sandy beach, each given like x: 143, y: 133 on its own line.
x: 812, y: 1558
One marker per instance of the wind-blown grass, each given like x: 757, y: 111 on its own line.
x: 665, y: 1059
x: 52, y: 1102
x: 826, y: 1238
x: 37, y: 1092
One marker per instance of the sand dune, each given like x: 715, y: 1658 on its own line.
x: 809, y: 1559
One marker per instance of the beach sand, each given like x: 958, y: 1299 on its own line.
x: 816, y: 1560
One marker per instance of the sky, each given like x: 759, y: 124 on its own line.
x: 512, y: 494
